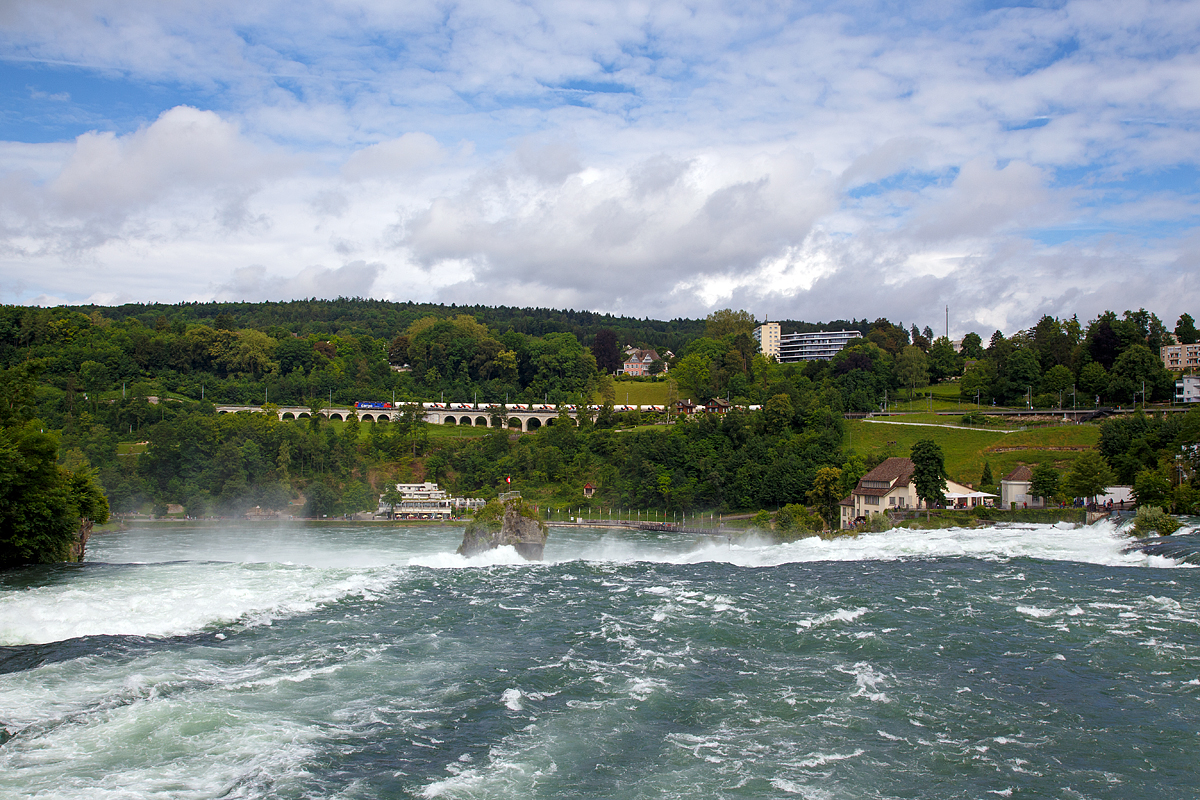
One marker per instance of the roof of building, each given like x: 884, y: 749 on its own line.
x: 644, y: 356
x: 894, y: 472
x: 848, y: 500
x: 1022, y: 473
x: 719, y: 402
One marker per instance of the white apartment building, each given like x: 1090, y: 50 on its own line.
x: 1187, y: 389
x: 815, y: 346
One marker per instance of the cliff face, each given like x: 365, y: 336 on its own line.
x: 502, y: 524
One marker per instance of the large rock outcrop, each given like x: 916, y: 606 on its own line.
x: 507, y: 522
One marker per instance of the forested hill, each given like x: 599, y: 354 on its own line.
x: 383, y: 319
x: 130, y: 392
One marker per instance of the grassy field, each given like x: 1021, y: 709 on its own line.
x: 637, y: 393
x: 966, y: 450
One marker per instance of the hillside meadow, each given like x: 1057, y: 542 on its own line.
x: 967, y: 449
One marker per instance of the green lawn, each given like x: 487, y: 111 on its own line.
x: 966, y: 450
x: 637, y: 393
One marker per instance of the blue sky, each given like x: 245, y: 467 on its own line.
x: 811, y: 161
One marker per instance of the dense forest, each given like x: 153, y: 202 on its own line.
x: 129, y: 393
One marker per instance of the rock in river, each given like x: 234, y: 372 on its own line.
x: 505, y: 522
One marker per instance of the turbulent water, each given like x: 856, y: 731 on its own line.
x: 330, y: 662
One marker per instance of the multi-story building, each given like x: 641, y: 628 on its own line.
x: 889, y: 487
x: 767, y: 336
x: 1187, y: 389
x: 637, y: 362
x: 816, y: 346
x: 428, y: 501
x: 1179, y: 357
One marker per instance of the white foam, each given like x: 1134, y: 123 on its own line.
x: 500, y: 556
x: 841, y: 615
x: 512, y: 699
x: 159, y: 600
x: 1094, y: 544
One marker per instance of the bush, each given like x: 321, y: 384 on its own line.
x: 878, y: 523
x: 974, y: 418
x: 1045, y: 401
x: 1153, y: 519
x: 983, y: 512
x: 794, y: 521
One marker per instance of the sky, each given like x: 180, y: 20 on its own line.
x: 966, y: 166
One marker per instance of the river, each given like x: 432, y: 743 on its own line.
x: 366, y: 662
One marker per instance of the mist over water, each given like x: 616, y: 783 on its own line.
x: 364, y: 662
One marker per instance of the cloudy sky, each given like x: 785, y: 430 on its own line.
x: 800, y: 160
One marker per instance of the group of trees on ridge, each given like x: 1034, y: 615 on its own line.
x: 98, y: 367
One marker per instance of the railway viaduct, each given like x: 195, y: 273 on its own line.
x: 528, y: 418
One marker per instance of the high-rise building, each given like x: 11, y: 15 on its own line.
x: 767, y: 336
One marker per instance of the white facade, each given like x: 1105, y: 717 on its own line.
x: 816, y: 346
x: 428, y: 500
x: 1187, y: 389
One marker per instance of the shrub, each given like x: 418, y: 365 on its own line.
x: 1153, y: 518
x: 878, y: 523
x: 982, y: 512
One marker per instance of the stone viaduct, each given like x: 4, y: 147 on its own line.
x: 519, y: 417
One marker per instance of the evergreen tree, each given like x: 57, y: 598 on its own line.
x: 1185, y: 330
x: 986, y: 478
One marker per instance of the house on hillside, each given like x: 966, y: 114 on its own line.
x: 889, y: 487
x: 685, y: 407
x: 717, y: 406
x: 1017, y: 487
x: 637, y: 362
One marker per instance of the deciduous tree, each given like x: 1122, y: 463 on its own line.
x: 929, y: 475
x: 1089, y: 476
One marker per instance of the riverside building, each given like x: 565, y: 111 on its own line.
x: 428, y: 501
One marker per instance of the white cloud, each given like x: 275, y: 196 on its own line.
x: 355, y: 279
x: 411, y: 153
x: 811, y: 162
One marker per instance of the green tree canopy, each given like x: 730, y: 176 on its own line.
x: 826, y: 493
x: 912, y: 369
x: 929, y: 475
x: 1089, y: 476
x: 1185, y: 330
x: 727, y: 321
x: 972, y: 346
x: 1045, y: 481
